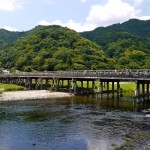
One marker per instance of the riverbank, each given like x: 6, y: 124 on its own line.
x: 35, y: 94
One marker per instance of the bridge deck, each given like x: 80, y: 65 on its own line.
x: 30, y: 79
x: 122, y: 75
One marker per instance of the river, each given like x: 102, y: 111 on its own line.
x: 75, y: 123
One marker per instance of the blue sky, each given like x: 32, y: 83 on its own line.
x: 79, y: 15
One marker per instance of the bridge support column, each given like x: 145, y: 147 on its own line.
x: 143, y: 89
x: 53, y: 82
x: 26, y: 82
x: 118, y: 87
x: 137, y: 91
x: 36, y: 84
x: 107, y: 89
x: 101, y: 89
x: 87, y: 87
x: 147, y: 90
x: 30, y: 83
x: 113, y: 87
x: 41, y: 83
x: 56, y: 85
x: 75, y: 87
x: 68, y: 84
x: 81, y: 87
x: 47, y: 84
x: 62, y: 85
x: 93, y: 85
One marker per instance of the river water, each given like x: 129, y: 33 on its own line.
x: 76, y: 123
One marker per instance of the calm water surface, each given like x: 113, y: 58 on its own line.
x: 76, y: 123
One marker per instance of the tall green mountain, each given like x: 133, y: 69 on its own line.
x: 130, y: 29
x: 53, y: 48
x: 127, y: 43
x: 119, y: 46
x: 10, y: 37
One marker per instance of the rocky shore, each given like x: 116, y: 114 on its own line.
x: 36, y: 94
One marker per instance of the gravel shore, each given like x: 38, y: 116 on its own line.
x: 36, y: 94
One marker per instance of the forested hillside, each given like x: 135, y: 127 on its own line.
x: 10, y: 37
x: 127, y: 43
x: 119, y: 46
x: 54, y: 48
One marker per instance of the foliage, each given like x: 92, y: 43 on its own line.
x: 54, y: 48
x: 128, y: 44
x: 9, y: 37
x: 119, y: 46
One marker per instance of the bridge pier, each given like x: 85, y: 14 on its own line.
x: 47, y: 84
x: 142, y: 93
x: 28, y: 83
x: 62, y: 85
x: 93, y: 85
x: 113, y: 88
x: 75, y: 87
x: 56, y: 84
x: 87, y: 88
x: 148, y: 90
x: 36, y: 83
x: 107, y: 88
x: 68, y: 85
x: 81, y: 87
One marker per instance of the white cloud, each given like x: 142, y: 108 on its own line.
x: 70, y: 24
x: 138, y: 2
x: 111, y: 12
x: 9, y: 28
x: 9, y: 5
x: 144, y: 18
x: 43, y: 22
x: 83, y: 1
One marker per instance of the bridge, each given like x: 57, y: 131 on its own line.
x: 71, y: 79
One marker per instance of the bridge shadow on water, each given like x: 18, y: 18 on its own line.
x: 123, y: 101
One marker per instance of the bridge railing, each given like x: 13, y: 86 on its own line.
x: 82, y: 73
x: 85, y: 73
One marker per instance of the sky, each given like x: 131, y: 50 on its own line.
x: 79, y: 15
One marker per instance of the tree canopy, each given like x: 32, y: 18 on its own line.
x: 119, y: 46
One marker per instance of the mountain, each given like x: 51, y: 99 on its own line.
x: 53, y: 48
x: 133, y: 28
x: 119, y: 46
x: 10, y: 37
x: 127, y: 43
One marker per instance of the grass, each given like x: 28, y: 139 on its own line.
x: 128, y: 86
x: 10, y: 87
x: 125, y: 86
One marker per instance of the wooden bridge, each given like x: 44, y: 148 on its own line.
x: 55, y: 80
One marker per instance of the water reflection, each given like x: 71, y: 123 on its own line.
x: 84, y: 123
